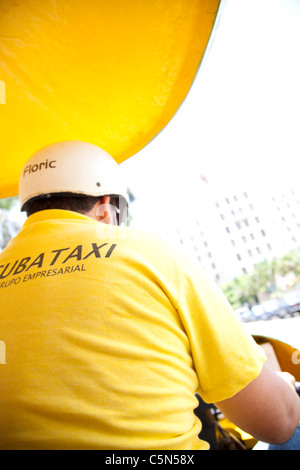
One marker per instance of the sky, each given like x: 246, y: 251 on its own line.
x: 239, y: 124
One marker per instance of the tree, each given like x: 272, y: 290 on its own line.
x: 9, y: 227
x: 290, y: 263
x: 247, y: 288
x: 264, y: 275
x: 241, y: 290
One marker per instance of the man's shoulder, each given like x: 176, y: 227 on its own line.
x: 154, y: 247
x: 138, y: 240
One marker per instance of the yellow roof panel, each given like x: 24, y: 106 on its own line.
x: 112, y: 73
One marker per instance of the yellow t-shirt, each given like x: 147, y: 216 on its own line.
x: 106, y: 334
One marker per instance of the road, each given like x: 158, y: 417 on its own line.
x: 286, y: 329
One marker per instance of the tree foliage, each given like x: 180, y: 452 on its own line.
x: 247, y: 288
x: 8, y: 227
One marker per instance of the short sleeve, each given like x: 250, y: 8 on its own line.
x: 226, y: 357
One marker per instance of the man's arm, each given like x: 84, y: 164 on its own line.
x: 267, y: 408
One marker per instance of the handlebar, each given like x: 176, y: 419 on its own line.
x: 297, y: 386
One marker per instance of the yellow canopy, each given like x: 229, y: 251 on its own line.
x: 110, y: 72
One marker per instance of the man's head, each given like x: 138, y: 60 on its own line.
x: 75, y: 176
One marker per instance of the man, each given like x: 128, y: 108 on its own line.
x: 110, y: 332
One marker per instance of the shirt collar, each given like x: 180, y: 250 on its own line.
x: 51, y: 214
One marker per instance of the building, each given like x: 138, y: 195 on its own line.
x: 233, y: 229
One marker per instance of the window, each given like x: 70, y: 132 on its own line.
x: 239, y: 257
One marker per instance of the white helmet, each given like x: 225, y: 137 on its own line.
x: 71, y: 167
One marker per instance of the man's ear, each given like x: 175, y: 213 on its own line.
x: 102, y: 210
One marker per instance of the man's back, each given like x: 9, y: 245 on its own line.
x: 96, y: 355
x: 97, y: 346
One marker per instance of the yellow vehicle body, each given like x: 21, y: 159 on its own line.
x: 112, y: 73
